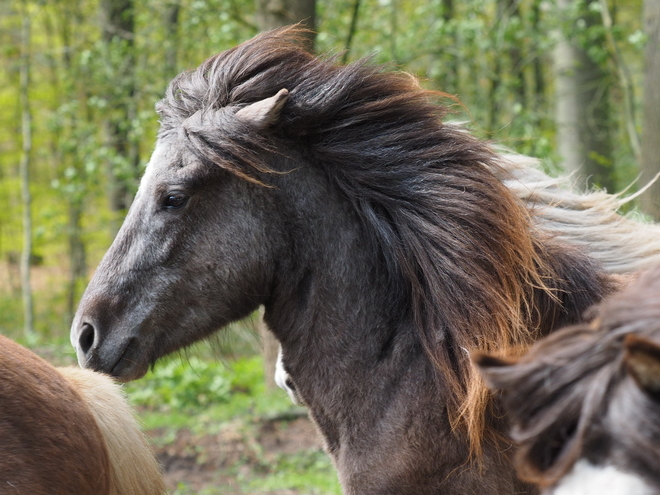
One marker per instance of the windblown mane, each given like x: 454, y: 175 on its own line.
x: 455, y: 240
x: 590, y: 220
x: 559, y: 394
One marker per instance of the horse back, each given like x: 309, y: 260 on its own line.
x: 51, y: 443
x: 134, y: 468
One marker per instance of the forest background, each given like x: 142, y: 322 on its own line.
x: 573, y: 82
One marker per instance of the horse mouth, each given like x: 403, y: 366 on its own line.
x: 123, y: 364
x: 128, y: 367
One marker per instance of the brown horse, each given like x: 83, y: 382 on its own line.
x: 585, y: 401
x: 383, y: 243
x: 68, y: 431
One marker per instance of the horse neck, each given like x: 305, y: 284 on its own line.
x: 350, y: 346
x: 333, y: 297
x: 334, y: 310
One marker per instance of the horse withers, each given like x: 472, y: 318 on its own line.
x: 68, y: 431
x: 585, y: 402
x: 383, y: 243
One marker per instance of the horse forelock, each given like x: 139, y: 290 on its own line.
x: 452, y: 235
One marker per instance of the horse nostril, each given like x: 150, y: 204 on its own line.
x: 86, y: 339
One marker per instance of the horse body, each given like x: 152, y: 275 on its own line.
x: 584, y: 402
x: 67, y: 431
x: 383, y: 244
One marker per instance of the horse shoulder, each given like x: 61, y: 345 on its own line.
x: 134, y: 469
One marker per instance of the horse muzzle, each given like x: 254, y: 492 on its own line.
x: 119, y: 357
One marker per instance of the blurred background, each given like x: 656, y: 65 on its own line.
x: 573, y: 82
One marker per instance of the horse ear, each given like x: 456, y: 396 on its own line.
x: 642, y: 359
x: 264, y: 113
x: 493, y: 369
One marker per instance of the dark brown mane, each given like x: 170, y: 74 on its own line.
x: 454, y: 238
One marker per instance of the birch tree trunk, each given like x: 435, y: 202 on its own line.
x: 67, y: 87
x: 272, y: 14
x: 451, y: 74
x: 24, y: 171
x: 650, y: 201
x: 582, y: 109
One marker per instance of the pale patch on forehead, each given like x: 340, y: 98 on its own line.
x: 168, y: 162
x: 588, y: 479
x: 159, y: 159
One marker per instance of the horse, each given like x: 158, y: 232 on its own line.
x: 585, y: 401
x: 383, y: 243
x: 68, y: 430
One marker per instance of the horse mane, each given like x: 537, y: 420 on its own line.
x: 622, y: 244
x: 561, y: 390
x: 454, y: 239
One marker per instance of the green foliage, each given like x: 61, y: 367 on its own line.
x: 310, y: 472
x: 222, y: 391
x: 182, y: 385
x: 493, y: 56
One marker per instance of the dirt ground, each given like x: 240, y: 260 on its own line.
x: 217, y: 461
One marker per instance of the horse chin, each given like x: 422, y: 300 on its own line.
x: 124, y: 363
x: 126, y: 371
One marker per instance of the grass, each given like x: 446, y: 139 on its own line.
x: 307, y: 472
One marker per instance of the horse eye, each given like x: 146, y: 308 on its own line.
x: 175, y: 200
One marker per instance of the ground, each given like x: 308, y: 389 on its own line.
x: 223, y: 461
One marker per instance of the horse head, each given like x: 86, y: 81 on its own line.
x: 194, y: 231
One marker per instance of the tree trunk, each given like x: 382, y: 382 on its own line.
x: 24, y: 168
x: 450, y: 76
x: 270, y: 347
x: 171, y: 21
x: 272, y: 14
x: 539, y: 80
x: 118, y: 33
x: 517, y: 56
x: 351, y: 31
x: 650, y: 200
x: 67, y: 157
x: 77, y: 257
x: 496, y: 75
x: 582, y: 110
